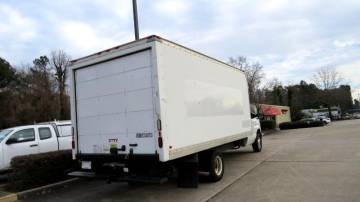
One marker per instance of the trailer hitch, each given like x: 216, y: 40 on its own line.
x: 114, y: 151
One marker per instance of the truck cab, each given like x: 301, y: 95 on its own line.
x: 256, y: 138
x: 31, y: 139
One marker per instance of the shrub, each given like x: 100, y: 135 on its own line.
x: 267, y: 124
x: 300, y: 124
x: 286, y: 125
x: 36, y: 170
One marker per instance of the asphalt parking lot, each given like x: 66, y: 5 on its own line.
x: 314, y: 164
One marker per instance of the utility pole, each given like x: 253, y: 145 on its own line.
x: 136, y: 24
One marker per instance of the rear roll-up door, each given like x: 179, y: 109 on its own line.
x: 114, y: 103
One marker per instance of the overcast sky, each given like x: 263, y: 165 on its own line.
x: 290, y: 38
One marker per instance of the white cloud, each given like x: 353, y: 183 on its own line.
x: 351, y: 74
x: 83, y: 38
x: 350, y: 71
x: 17, y: 31
x: 343, y: 44
x: 290, y: 38
x: 272, y: 6
x: 122, y: 9
x: 176, y: 10
x: 172, y: 8
x: 356, y: 93
x: 14, y: 24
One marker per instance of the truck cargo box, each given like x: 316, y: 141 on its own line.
x: 153, y: 97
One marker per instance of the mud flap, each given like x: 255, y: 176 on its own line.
x: 188, y: 168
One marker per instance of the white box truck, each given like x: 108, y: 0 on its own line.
x: 151, y: 106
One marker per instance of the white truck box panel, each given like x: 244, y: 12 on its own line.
x: 114, y: 103
x: 203, y: 102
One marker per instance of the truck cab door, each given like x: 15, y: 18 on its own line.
x: 255, y: 126
x: 47, y: 139
x: 21, y: 142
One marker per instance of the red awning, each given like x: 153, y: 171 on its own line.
x: 271, y: 111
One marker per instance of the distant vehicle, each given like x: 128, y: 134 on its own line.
x: 324, y: 119
x: 312, y: 120
x: 33, y: 139
x: 309, y: 119
x: 148, y: 107
x: 356, y: 116
x: 347, y: 117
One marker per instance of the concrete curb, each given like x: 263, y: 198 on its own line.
x: 9, y: 198
x: 38, y: 191
x: 45, y: 189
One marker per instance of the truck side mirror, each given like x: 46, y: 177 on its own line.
x: 11, y: 141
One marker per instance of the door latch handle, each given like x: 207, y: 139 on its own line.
x: 33, y: 145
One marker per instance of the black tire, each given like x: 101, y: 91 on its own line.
x: 257, y: 145
x: 216, y: 169
x: 96, y: 166
x: 132, y: 183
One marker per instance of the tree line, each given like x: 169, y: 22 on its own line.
x: 36, y: 92
x: 324, y: 90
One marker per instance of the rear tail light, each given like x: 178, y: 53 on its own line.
x: 73, y: 138
x: 160, y: 140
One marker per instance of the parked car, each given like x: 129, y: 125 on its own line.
x: 324, y: 119
x: 346, y: 117
x: 356, y: 116
x: 33, y: 139
x: 312, y: 121
x: 308, y: 119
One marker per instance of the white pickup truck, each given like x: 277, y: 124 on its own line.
x: 33, y: 139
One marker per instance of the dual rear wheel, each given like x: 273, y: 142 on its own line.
x: 216, y: 171
x: 215, y: 164
x: 212, y: 162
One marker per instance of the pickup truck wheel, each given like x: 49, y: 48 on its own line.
x: 132, y: 183
x: 257, y: 145
x: 216, y: 170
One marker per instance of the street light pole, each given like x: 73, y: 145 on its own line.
x: 136, y: 24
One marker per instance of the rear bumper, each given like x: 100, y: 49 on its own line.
x: 117, y: 157
x: 135, y: 167
x: 143, y: 179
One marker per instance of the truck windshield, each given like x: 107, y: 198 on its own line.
x: 3, y: 134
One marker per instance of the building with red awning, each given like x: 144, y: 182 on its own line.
x: 277, y: 113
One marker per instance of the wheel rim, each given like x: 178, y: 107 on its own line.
x: 218, y: 165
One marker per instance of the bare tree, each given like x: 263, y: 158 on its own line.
x: 60, y: 62
x: 253, y: 72
x: 39, y: 88
x: 274, y: 82
x: 239, y: 62
x: 327, y: 78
